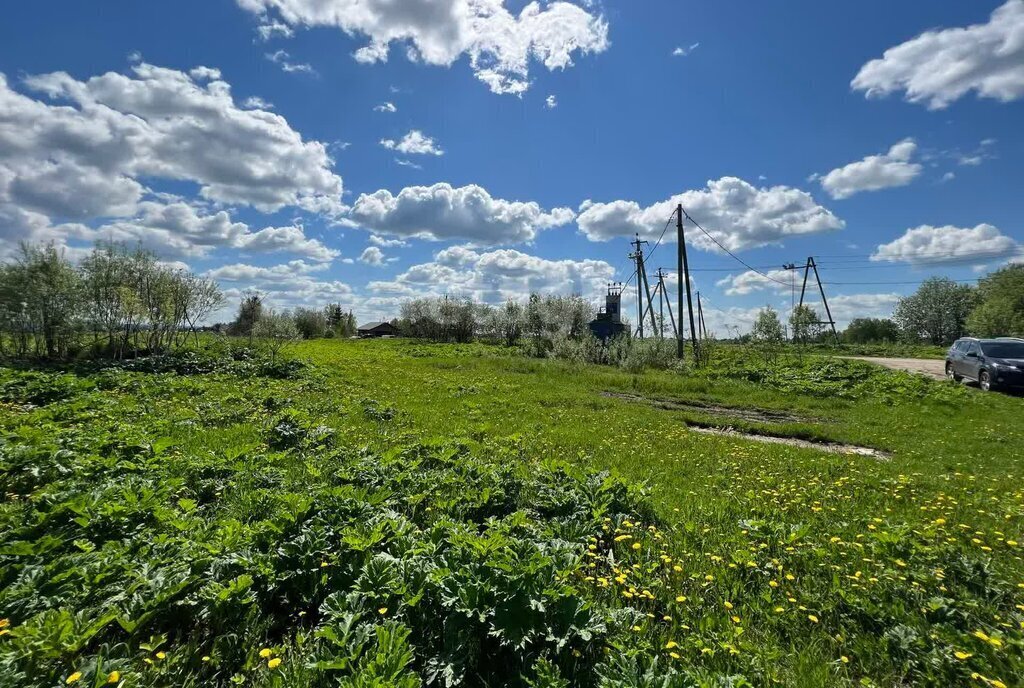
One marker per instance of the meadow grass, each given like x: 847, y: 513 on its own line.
x: 758, y: 563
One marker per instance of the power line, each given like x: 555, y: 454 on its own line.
x: 737, y: 258
x: 932, y: 256
x: 664, y: 229
x: 656, y: 244
x: 918, y: 282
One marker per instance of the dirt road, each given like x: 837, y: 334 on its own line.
x: 924, y: 366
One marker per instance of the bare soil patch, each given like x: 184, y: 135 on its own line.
x: 820, y: 445
x: 756, y: 415
x: 922, y: 366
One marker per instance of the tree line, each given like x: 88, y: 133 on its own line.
x: 541, y: 321
x: 115, y: 302
x: 939, y: 312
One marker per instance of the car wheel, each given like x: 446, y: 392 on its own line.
x: 952, y: 375
x: 985, y: 380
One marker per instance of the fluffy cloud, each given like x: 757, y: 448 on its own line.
x: 846, y: 307
x: 413, y: 143
x: 385, y: 107
x: 500, y: 45
x: 72, y: 164
x: 927, y: 244
x: 495, y: 276
x: 735, y: 212
x: 284, y: 286
x: 284, y: 61
x: 82, y: 156
x: 683, y: 51
x: 372, y: 256
x: 874, y: 172
x: 551, y: 102
x: 286, y: 272
x: 940, y: 66
x: 442, y: 212
x: 750, y: 281
x: 386, y: 243
x: 181, y: 230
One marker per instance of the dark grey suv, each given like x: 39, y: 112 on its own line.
x: 991, y: 363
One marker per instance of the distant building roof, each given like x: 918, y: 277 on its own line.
x: 374, y: 325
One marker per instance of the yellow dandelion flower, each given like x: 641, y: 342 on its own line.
x: 671, y: 644
x: 812, y: 618
x: 161, y: 655
x: 73, y: 678
x: 673, y: 655
x: 961, y: 655
x: 681, y: 598
x: 266, y: 652
x: 274, y: 663
x: 728, y: 604
x: 382, y: 610
x: 206, y: 658
x: 844, y: 659
x: 636, y: 545
x: 114, y: 677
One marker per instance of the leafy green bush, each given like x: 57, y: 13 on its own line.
x: 830, y: 377
x: 351, y: 568
x: 41, y: 388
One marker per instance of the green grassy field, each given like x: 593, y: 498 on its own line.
x: 400, y: 513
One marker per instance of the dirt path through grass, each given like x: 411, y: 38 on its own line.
x: 931, y: 368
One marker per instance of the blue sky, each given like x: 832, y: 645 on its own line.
x: 528, y: 142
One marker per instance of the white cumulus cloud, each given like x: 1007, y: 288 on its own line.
x: 91, y: 142
x: 735, y: 212
x: 500, y: 44
x: 874, y: 172
x: 941, y: 66
x: 443, y: 212
x: 413, y: 143
x: 494, y: 276
x: 928, y: 244
x: 372, y: 256
x: 683, y: 51
x: 750, y: 281
x: 282, y: 59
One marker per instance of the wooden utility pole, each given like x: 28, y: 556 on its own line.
x: 638, y: 257
x: 700, y: 320
x: 811, y: 265
x: 668, y: 302
x: 661, y: 304
x: 647, y: 290
x: 685, y: 275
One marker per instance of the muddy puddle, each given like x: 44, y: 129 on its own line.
x: 820, y: 445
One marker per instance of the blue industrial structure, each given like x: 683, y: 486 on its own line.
x: 608, y: 322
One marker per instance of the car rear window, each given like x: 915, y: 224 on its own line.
x: 1004, y: 349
